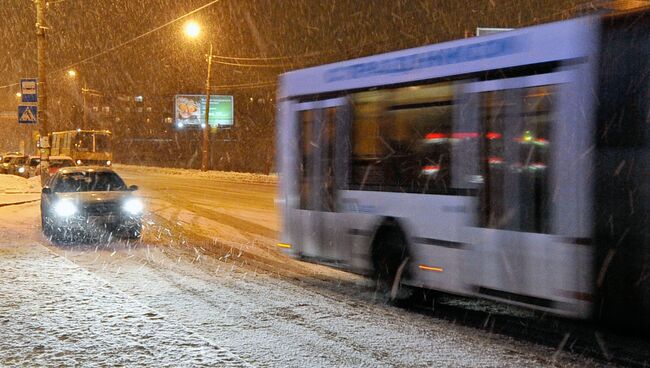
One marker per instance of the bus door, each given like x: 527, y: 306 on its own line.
x: 322, y: 165
x: 532, y: 210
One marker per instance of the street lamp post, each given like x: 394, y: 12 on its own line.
x: 192, y: 30
x: 205, y: 146
x: 85, y: 92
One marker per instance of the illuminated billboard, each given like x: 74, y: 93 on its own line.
x: 189, y: 111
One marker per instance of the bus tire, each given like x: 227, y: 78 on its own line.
x: 390, y: 258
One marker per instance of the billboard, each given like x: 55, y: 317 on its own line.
x: 189, y: 110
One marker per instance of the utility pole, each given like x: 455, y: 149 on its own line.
x: 84, y: 117
x: 42, y: 71
x: 41, y: 45
x: 206, y: 131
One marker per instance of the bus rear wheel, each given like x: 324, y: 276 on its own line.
x: 390, y: 259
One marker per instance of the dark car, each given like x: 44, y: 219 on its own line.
x: 80, y: 201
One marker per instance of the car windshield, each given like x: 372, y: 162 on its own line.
x: 88, y: 182
x: 34, y: 161
x: 6, y: 160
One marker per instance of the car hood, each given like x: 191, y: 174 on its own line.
x: 94, y: 197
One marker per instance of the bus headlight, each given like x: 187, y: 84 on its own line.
x: 65, y: 208
x: 133, y: 206
x: 21, y: 170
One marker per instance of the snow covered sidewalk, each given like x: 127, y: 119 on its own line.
x: 228, y: 176
x: 15, y: 190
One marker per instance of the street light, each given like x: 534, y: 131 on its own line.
x: 72, y: 74
x: 193, y: 30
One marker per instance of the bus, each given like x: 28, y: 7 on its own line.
x: 85, y: 147
x: 510, y: 166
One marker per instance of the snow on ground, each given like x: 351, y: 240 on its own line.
x: 11, y: 184
x: 229, y: 176
x: 152, y: 304
x: 14, y: 189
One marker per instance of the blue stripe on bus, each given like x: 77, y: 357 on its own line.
x: 453, y: 55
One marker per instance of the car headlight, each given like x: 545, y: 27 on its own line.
x: 21, y: 170
x: 65, y: 208
x: 133, y: 206
x: 108, y: 163
x: 78, y: 162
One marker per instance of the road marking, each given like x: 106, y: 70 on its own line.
x: 18, y: 203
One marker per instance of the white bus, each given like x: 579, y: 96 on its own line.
x: 510, y: 166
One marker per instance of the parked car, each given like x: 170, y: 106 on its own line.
x: 18, y: 166
x: 32, y: 164
x: 89, y: 200
x: 57, y: 162
x: 6, y: 158
x: 53, y: 165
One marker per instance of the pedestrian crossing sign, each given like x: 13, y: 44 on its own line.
x: 27, y: 114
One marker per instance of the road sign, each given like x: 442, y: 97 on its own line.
x: 482, y: 31
x: 28, y: 89
x: 27, y: 114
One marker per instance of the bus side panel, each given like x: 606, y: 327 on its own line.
x: 288, y: 196
x: 433, y: 225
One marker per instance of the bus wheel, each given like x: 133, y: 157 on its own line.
x: 390, y: 260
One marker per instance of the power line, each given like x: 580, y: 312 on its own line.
x: 249, y: 85
x: 310, y: 54
x: 224, y: 57
x: 142, y: 35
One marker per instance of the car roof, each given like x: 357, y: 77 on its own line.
x: 85, y: 169
x: 60, y: 158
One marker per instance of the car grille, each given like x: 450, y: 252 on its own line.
x: 102, y: 208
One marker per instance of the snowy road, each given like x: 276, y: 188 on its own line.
x: 206, y: 288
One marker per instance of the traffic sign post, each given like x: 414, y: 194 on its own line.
x: 29, y: 90
x: 28, y: 109
x: 27, y: 114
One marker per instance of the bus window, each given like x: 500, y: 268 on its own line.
x: 516, y: 142
x: 102, y: 143
x: 66, y: 144
x: 327, y: 159
x: 366, y: 148
x: 402, y: 140
x: 84, y: 142
x: 306, y: 119
x: 421, y: 138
